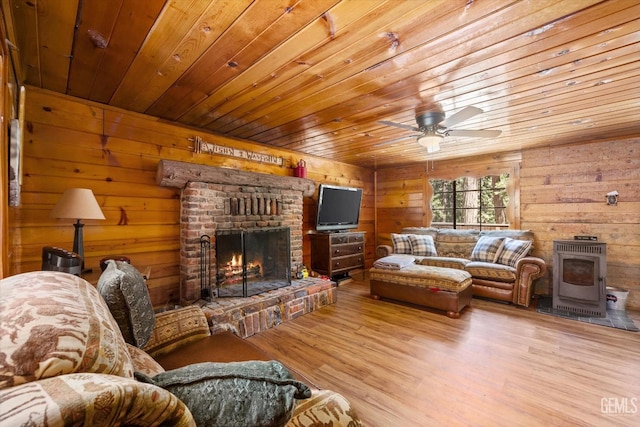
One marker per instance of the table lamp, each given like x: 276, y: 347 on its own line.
x: 78, y: 204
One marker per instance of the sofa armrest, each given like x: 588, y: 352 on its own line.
x: 383, y: 251
x: 176, y: 328
x: 528, y: 269
x: 91, y: 400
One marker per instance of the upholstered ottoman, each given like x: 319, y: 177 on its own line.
x: 441, y: 288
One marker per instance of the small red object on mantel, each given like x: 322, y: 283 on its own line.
x: 300, y: 171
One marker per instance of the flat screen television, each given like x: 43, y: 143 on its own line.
x: 338, y: 208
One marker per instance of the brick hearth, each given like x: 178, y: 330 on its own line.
x: 220, y: 199
x: 249, y: 316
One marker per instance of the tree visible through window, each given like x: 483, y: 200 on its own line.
x: 469, y: 202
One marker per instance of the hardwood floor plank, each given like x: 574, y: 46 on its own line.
x: 497, y: 365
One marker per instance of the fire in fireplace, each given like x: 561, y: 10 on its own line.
x: 249, y: 262
x: 579, y: 273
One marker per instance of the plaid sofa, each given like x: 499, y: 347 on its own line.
x: 499, y: 261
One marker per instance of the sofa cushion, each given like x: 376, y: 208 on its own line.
x: 91, y: 400
x: 144, y: 363
x: 54, y: 323
x: 429, y: 231
x: 456, y: 243
x: 401, y: 243
x: 514, y: 234
x: 487, y: 249
x: 512, y: 250
x: 255, y: 393
x: 422, y: 245
x: 176, y: 328
x: 446, y: 262
x: 125, y: 291
x: 491, y: 271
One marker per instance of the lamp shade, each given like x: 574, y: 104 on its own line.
x: 77, y: 203
x: 431, y: 142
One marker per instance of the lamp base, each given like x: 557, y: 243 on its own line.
x: 78, y: 244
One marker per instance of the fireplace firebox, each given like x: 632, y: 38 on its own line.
x: 252, y: 261
x: 579, y: 274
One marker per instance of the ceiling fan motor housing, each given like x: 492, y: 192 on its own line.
x: 429, y: 121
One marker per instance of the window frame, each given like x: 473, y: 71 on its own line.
x: 454, y: 196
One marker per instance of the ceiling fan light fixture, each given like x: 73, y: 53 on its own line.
x: 430, y: 142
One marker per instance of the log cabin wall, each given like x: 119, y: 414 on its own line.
x: 557, y: 192
x: 69, y: 142
x: 563, y: 191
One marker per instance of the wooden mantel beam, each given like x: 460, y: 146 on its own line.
x: 171, y: 173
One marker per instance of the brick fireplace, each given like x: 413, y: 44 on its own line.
x: 215, y: 199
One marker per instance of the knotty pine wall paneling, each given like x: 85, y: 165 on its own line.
x: 75, y: 143
x: 563, y: 192
x: 404, y: 192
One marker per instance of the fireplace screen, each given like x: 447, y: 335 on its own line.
x: 250, y: 262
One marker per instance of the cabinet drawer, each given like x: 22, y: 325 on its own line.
x: 348, y: 262
x: 340, y: 239
x: 348, y: 249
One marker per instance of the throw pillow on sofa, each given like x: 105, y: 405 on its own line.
x: 54, y: 323
x: 487, y: 249
x: 401, y: 244
x: 125, y: 292
x: 422, y: 245
x: 512, y: 250
x: 255, y: 393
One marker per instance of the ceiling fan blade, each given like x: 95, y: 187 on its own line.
x: 465, y: 114
x: 399, y: 125
x: 474, y: 133
x: 382, y: 144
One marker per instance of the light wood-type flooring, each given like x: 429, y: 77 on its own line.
x: 498, y: 365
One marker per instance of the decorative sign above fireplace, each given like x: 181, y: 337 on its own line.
x: 202, y: 146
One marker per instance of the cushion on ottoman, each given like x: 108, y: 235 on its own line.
x: 434, y: 278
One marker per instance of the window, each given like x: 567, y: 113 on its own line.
x: 469, y: 202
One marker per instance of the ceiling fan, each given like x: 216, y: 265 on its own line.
x: 433, y: 127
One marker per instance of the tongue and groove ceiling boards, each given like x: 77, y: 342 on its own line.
x: 318, y: 76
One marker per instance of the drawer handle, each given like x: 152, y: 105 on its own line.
x: 337, y: 251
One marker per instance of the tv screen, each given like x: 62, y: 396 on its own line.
x: 338, y: 208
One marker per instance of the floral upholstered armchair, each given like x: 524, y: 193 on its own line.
x: 65, y: 361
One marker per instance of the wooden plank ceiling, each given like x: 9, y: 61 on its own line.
x: 317, y: 76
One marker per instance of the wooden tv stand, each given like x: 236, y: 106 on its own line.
x: 335, y: 254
